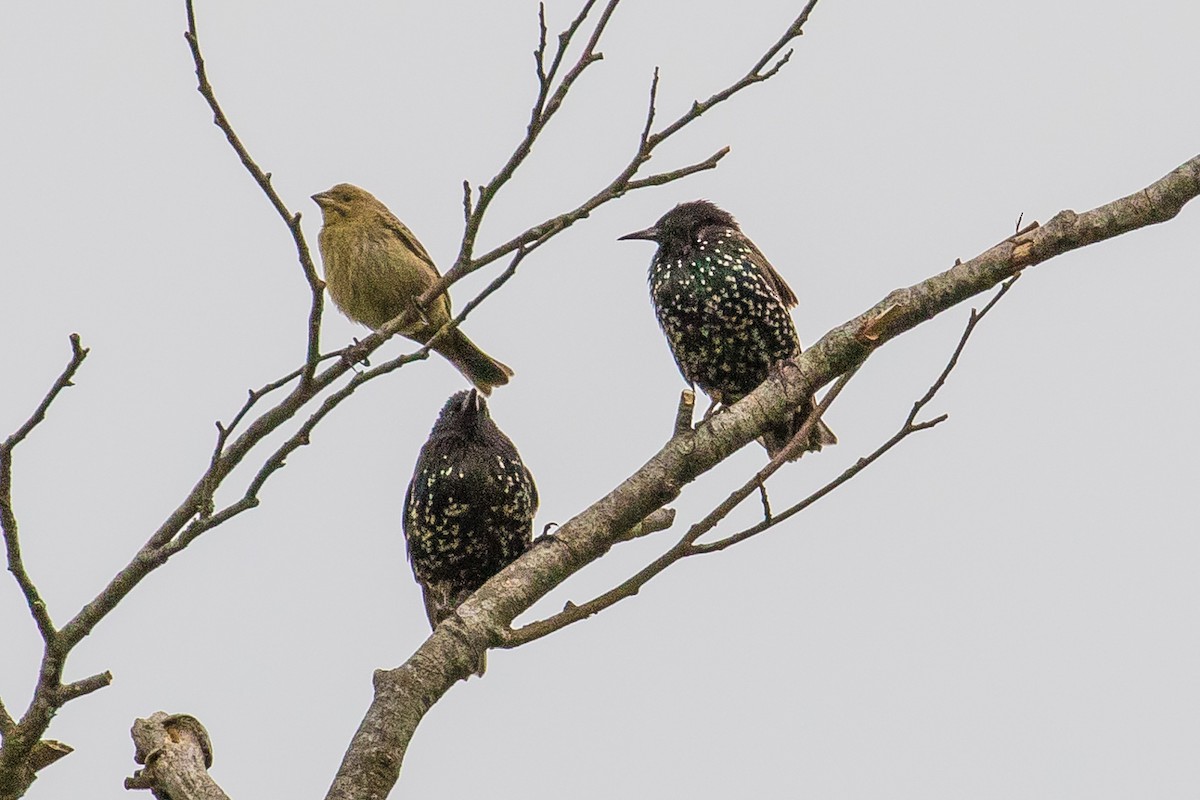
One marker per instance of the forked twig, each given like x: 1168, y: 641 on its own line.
x: 909, y: 427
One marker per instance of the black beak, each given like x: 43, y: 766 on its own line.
x: 319, y: 196
x: 650, y: 234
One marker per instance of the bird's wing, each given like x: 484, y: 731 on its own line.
x: 409, y: 239
x: 786, y: 295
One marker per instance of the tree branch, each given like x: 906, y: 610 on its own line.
x: 757, y: 74
x: 625, y: 181
x: 909, y: 427
x: 177, y: 753
x: 8, y: 518
x: 263, y: 179
x: 71, y: 691
x: 682, y: 548
x: 403, y: 695
x: 548, y: 101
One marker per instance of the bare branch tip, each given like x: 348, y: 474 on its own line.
x: 78, y: 689
x: 46, y: 752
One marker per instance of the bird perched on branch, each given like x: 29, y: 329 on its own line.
x: 468, y: 512
x: 375, y: 269
x: 724, y: 310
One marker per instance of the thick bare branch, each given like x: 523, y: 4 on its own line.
x: 16, y: 778
x: 909, y: 427
x: 686, y: 544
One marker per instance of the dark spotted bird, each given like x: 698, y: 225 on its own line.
x: 468, y: 512
x: 375, y: 269
x: 724, y: 310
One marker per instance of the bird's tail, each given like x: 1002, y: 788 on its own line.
x: 478, y: 367
x: 776, y: 439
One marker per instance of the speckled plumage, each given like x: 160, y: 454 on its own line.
x: 469, y: 508
x: 723, y: 309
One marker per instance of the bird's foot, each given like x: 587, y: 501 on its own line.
x: 417, y: 310
x: 714, y: 406
x: 546, y: 535
x: 356, y: 354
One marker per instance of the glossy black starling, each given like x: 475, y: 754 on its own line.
x: 724, y: 310
x: 468, y: 512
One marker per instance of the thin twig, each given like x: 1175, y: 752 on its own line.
x: 263, y: 179
x: 65, y: 694
x: 651, y: 110
x: 972, y: 321
x: 759, y: 479
x: 684, y: 412
x: 757, y: 74
x: 78, y: 354
x: 625, y: 181
x: 547, y: 102
x: 681, y: 549
x: 24, y: 751
x: 766, y: 502
x: 909, y: 427
x: 209, y: 480
x: 8, y: 517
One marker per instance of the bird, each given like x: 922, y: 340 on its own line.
x: 376, y: 269
x: 724, y: 311
x: 468, y: 510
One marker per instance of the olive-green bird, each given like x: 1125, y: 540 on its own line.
x: 375, y: 269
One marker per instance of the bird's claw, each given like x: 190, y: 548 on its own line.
x: 356, y: 353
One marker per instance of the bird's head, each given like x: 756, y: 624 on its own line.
x: 345, y: 200
x: 678, y: 228
x: 465, y: 413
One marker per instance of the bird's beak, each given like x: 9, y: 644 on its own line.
x: 320, y: 197
x: 650, y: 234
x: 473, y: 402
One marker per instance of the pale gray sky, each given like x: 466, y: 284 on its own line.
x: 1006, y: 606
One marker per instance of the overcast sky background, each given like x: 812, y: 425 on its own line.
x: 1006, y: 606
